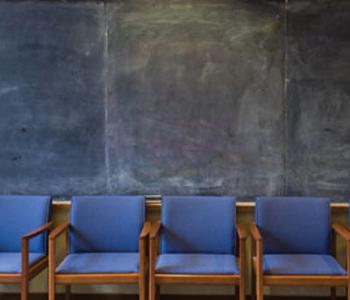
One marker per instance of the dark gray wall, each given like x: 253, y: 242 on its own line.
x: 175, y: 97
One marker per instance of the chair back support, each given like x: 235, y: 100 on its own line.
x: 20, y: 215
x: 294, y: 225
x: 198, y: 224
x: 106, y: 223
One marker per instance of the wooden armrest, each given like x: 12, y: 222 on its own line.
x: 59, y: 230
x: 37, y: 231
x: 254, y: 230
x: 145, y: 230
x: 342, y: 231
x: 155, y: 230
x: 242, y: 232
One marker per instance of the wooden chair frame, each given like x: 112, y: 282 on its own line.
x: 259, y: 280
x: 28, y: 272
x: 156, y: 279
x: 69, y: 279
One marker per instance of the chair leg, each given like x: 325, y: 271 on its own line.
x: 242, y: 289
x: 259, y: 289
x: 333, y: 293
x: 157, y: 292
x: 253, y: 286
x: 68, y: 292
x: 51, y: 287
x: 142, y: 288
x: 236, y: 292
x: 348, y: 292
x: 152, y: 288
x: 24, y: 289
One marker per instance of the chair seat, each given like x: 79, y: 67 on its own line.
x: 11, y: 262
x: 197, y: 264
x: 97, y: 263
x: 301, y: 264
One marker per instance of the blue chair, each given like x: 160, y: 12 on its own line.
x: 293, y: 244
x: 195, y: 243
x: 23, y: 239
x: 105, y: 243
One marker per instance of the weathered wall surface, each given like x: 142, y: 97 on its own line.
x: 175, y: 97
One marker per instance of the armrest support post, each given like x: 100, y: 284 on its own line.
x: 242, y: 236
x: 344, y: 233
x: 257, y: 238
x: 25, y: 245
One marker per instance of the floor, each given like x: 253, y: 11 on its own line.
x: 119, y: 297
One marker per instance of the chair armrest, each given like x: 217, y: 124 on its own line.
x: 342, y: 231
x: 242, y: 232
x: 59, y: 230
x: 145, y: 230
x: 255, y: 232
x: 155, y: 230
x: 25, y: 244
x: 38, y: 231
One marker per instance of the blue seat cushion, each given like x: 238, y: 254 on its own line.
x: 294, y: 225
x: 96, y: 263
x: 11, y: 262
x: 225, y: 264
x: 301, y: 264
x: 106, y: 223
x: 198, y: 224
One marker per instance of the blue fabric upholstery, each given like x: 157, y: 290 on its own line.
x: 294, y: 225
x: 106, y: 223
x: 197, y: 264
x: 301, y: 264
x: 97, y: 263
x: 11, y: 262
x: 18, y: 216
x: 198, y: 225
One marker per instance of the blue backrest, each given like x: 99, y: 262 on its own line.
x: 294, y: 224
x: 198, y: 225
x: 106, y: 223
x: 20, y: 215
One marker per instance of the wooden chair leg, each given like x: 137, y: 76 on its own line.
x: 253, y: 286
x: 157, y: 292
x: 259, y: 289
x: 242, y: 289
x: 348, y: 292
x: 236, y: 292
x: 152, y: 288
x: 51, y: 287
x: 333, y: 293
x: 24, y: 289
x: 68, y: 292
x: 142, y: 288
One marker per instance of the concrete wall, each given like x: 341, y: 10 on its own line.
x: 175, y: 97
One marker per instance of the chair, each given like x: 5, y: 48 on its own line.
x: 295, y: 244
x: 23, y: 239
x: 105, y: 243
x: 195, y: 243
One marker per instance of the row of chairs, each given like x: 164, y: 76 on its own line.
x: 197, y: 241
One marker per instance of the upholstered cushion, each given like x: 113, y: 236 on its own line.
x: 197, y: 264
x: 301, y: 264
x: 11, y: 262
x: 18, y: 216
x: 294, y: 224
x: 95, y: 263
x: 106, y: 223
x: 198, y: 225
